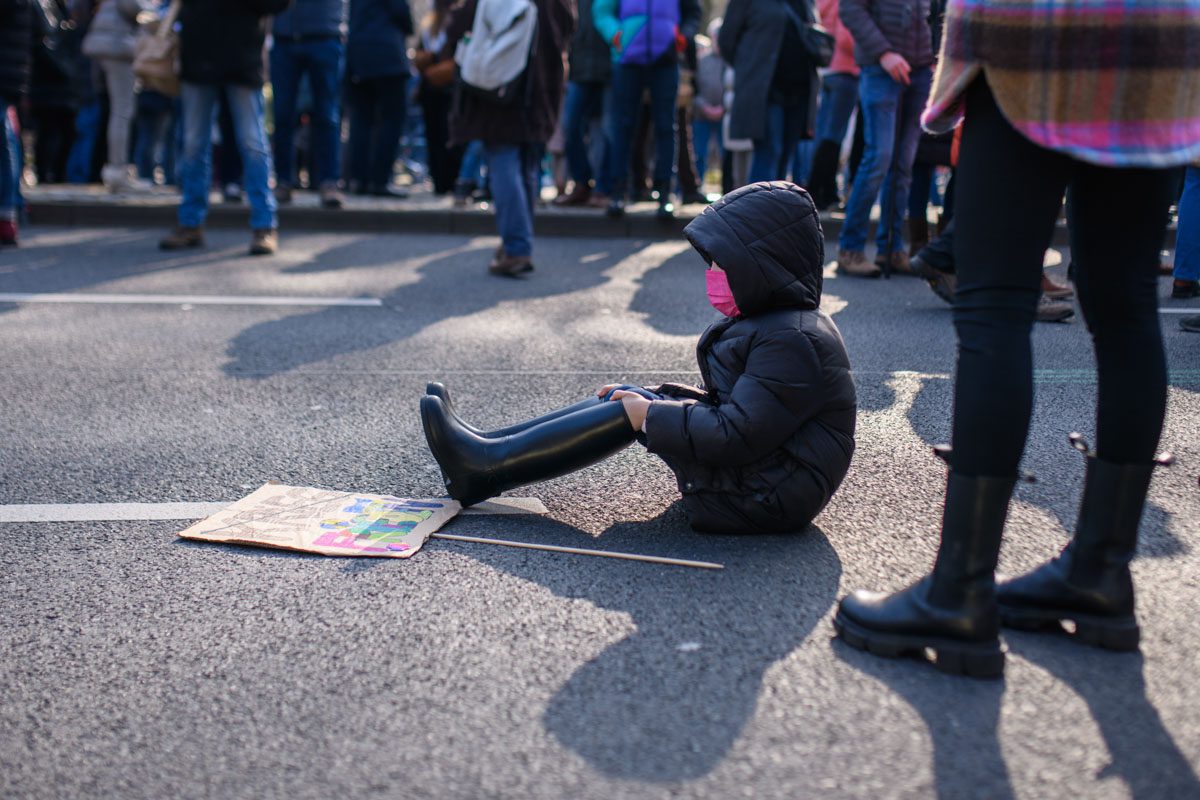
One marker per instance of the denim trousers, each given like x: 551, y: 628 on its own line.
x: 839, y: 96
x: 1187, y: 237
x: 323, y: 61
x: 585, y: 102
x: 378, y: 110
x: 629, y: 82
x: 891, y: 115
x: 10, y: 166
x: 199, y: 103
x: 514, y: 175
x: 773, y: 153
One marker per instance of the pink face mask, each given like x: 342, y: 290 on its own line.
x: 719, y: 293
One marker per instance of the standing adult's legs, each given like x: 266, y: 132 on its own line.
x: 247, y: 106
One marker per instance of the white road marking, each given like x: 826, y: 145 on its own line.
x: 108, y: 512
x: 189, y: 299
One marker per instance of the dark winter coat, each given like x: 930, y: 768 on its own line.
x: 16, y: 48
x: 590, y: 59
x: 311, y: 19
x: 472, y: 118
x: 901, y: 26
x: 376, y: 47
x: 221, y: 41
x: 750, y: 41
x: 769, y: 439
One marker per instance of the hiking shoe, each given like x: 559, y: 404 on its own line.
x: 943, y: 284
x: 182, y: 238
x: 331, y: 197
x: 1185, y: 290
x: 1054, y: 310
x: 510, y: 266
x: 283, y: 194
x: 264, y: 242
x: 900, y: 262
x: 1191, y: 324
x: 854, y: 262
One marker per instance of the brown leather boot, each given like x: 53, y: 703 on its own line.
x: 182, y: 238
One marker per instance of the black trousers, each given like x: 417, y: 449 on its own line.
x: 1009, y: 195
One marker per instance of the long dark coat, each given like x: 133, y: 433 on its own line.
x: 750, y: 40
x: 768, y: 439
x: 472, y: 118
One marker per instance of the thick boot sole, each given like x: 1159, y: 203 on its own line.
x: 1111, y: 633
x: 971, y: 659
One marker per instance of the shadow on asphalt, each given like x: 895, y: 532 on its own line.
x: 667, y: 703
x: 967, y: 759
x: 1144, y: 755
x: 455, y: 286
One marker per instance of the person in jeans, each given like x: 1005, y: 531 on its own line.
x: 1187, y: 240
x: 893, y: 47
x: 309, y: 40
x: 377, y: 74
x: 646, y: 38
x: 1046, y: 111
x: 514, y: 136
x: 221, y: 53
x: 590, y: 70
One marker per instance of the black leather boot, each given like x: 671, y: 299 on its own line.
x: 1089, y: 583
x: 951, y: 611
x: 439, y: 390
x: 475, y: 468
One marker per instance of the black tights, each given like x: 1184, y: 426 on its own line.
x: 1010, y: 192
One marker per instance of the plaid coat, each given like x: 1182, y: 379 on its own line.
x: 1109, y: 82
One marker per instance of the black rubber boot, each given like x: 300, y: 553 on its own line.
x: 439, y: 390
x: 475, y: 468
x: 1089, y: 584
x: 952, y: 611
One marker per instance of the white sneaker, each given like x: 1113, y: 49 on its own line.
x: 123, y: 179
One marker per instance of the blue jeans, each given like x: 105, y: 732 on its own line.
x: 514, y: 174
x: 10, y: 167
x: 1187, y: 237
x: 775, y: 150
x: 629, y: 82
x: 586, y: 101
x: 322, y: 60
x: 891, y: 128
x: 839, y: 95
x: 199, y: 103
x: 703, y: 131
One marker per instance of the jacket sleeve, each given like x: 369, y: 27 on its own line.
x: 731, y: 30
x: 604, y: 17
x: 862, y: 27
x: 778, y: 392
x: 401, y: 14
x: 689, y: 18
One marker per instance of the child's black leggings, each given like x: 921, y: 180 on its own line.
x: 1010, y: 192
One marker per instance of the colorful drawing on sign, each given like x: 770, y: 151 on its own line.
x: 377, y: 526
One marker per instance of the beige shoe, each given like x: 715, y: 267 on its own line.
x: 182, y: 238
x: 1053, y: 310
x: 854, y: 262
x: 264, y: 242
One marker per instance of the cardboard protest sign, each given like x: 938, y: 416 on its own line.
x: 325, y: 522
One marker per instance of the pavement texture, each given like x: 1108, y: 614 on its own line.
x: 137, y: 665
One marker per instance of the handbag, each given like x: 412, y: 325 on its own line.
x: 156, y: 55
x: 818, y: 43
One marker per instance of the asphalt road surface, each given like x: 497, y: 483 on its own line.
x: 136, y: 665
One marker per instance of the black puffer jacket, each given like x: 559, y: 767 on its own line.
x: 767, y: 441
x: 16, y: 48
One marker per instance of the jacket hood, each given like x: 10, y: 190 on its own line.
x: 768, y: 239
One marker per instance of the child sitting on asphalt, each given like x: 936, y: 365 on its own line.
x: 762, y: 445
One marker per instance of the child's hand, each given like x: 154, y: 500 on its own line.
x: 636, y: 407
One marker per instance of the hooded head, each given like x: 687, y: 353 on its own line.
x: 768, y: 239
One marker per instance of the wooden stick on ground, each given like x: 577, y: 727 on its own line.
x: 678, y: 562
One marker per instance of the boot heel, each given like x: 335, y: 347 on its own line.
x: 1121, y: 635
